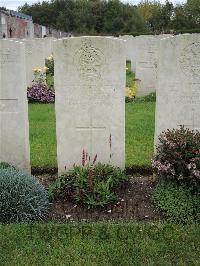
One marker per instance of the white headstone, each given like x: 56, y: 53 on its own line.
x: 127, y: 45
x: 90, y: 105
x: 130, y: 50
x: 146, y: 63
x: 35, y: 57
x: 14, y: 129
x: 48, y: 43
x: 134, y: 51
x: 178, y: 91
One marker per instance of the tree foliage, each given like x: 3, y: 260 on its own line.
x: 113, y: 17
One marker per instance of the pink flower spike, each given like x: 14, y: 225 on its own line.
x: 110, y: 141
x: 95, y: 158
x: 83, y: 158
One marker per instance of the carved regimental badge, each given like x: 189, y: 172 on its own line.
x: 89, y: 61
x: 190, y: 60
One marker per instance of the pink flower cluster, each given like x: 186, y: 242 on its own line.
x: 163, y: 168
x: 192, y: 167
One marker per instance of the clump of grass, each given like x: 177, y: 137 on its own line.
x: 101, y: 243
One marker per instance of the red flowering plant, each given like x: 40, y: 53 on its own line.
x: 92, y: 184
x: 178, y: 156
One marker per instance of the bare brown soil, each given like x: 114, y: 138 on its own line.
x: 134, y: 204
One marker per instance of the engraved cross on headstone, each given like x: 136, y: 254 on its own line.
x: 91, y: 129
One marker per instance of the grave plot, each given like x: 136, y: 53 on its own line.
x: 90, y: 107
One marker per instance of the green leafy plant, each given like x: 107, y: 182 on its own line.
x: 22, y: 198
x: 177, y: 202
x: 178, y: 156
x: 39, y: 76
x: 91, y: 185
x: 5, y: 165
x: 148, y: 98
x: 49, y: 62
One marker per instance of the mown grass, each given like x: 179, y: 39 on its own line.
x: 129, y: 75
x: 140, y: 123
x: 100, y: 244
x: 42, y: 135
x: 139, y: 134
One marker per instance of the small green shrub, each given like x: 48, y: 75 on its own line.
x: 148, y: 98
x: 90, y: 185
x: 178, y: 156
x: 50, y: 81
x: 177, y: 202
x: 49, y: 62
x: 22, y: 198
x: 4, y: 165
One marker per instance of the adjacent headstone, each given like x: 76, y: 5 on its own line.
x: 146, y: 63
x: 178, y: 91
x: 48, y: 43
x: 127, y: 45
x: 130, y: 50
x: 90, y: 105
x: 14, y: 130
x: 134, y: 51
x: 35, y: 57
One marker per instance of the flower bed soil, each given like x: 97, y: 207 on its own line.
x: 134, y: 204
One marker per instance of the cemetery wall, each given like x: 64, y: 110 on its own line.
x: 18, y: 25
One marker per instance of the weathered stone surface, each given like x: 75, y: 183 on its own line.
x: 14, y: 130
x: 130, y: 50
x: 127, y: 45
x: 90, y: 111
x: 178, y: 91
x: 146, y: 60
x: 146, y: 63
x: 48, y: 43
x: 134, y: 52
x: 35, y: 57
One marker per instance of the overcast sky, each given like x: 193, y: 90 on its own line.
x: 14, y: 4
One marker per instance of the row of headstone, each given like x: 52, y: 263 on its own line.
x: 37, y: 50
x: 89, y: 81
x: 142, y: 51
x: 89, y: 85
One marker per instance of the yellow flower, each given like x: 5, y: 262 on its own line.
x: 131, y: 92
x: 37, y: 70
x: 50, y: 57
x: 45, y: 68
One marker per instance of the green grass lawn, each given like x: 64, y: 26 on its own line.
x: 129, y: 75
x: 139, y: 134
x: 99, y: 244
x: 42, y: 135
